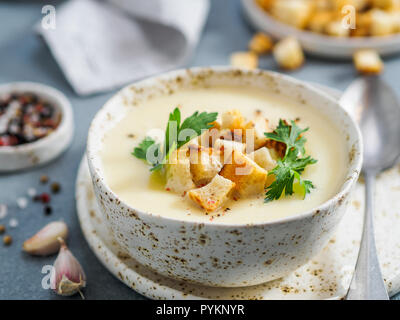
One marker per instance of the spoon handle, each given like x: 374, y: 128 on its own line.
x: 367, y: 282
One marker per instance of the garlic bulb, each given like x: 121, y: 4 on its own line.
x: 45, y: 242
x: 68, y: 276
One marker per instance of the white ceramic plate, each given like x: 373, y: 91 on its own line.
x: 327, y: 276
x: 316, y: 43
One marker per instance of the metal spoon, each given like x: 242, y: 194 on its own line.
x: 375, y: 107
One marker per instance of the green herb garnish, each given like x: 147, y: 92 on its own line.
x: 140, y: 152
x: 176, y: 135
x: 289, y: 135
x: 291, y: 166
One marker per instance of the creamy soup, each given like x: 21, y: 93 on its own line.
x: 132, y: 180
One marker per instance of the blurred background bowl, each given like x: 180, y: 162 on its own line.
x: 318, y: 44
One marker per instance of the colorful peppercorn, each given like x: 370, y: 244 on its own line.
x: 55, y: 187
x: 7, y: 240
x: 25, y: 118
x: 44, y: 179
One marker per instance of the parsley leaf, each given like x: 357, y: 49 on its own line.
x: 289, y: 135
x: 197, y: 122
x: 140, y: 152
x: 175, y: 134
x: 291, y: 166
x: 170, y: 137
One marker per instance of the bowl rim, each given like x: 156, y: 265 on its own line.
x: 351, y: 175
x: 39, y: 89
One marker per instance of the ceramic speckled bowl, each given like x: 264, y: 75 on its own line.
x: 215, y: 254
x: 45, y: 149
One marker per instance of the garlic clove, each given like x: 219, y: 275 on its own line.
x: 68, y: 276
x: 45, y: 241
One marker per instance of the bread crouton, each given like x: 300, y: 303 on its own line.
x: 232, y: 135
x: 229, y: 145
x: 386, y: 4
x: 233, y: 119
x: 292, y: 12
x: 248, y: 176
x: 213, y: 195
x: 204, y: 165
x: 336, y: 29
x: 226, y: 147
x: 208, y: 137
x: 263, y: 158
x: 260, y: 43
x: 368, y: 62
x: 395, y: 16
x: 382, y: 23
x: 319, y: 21
x: 289, y: 54
x: 247, y: 60
x: 265, y: 4
x: 254, y: 133
x: 191, y: 143
x: 179, y: 177
x: 323, y: 5
x: 357, y: 4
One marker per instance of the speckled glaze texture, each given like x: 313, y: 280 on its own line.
x: 45, y: 149
x: 216, y: 254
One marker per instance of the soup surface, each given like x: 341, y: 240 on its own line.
x: 132, y: 180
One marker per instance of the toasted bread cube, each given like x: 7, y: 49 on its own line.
x: 254, y: 133
x: 323, y: 5
x: 246, y: 60
x: 179, y: 177
x: 226, y: 147
x: 232, y: 135
x: 359, y: 32
x: 229, y: 145
x: 289, y: 54
x: 248, y: 176
x: 190, y: 144
x: 292, y: 12
x: 263, y: 158
x: 363, y: 24
x: 260, y: 43
x: 204, y: 164
x: 395, y: 14
x: 364, y: 20
x: 382, y: 23
x: 319, y: 21
x: 368, y: 61
x: 386, y: 4
x: 336, y: 29
x: 233, y: 119
x: 213, y: 195
x: 208, y: 137
x: 357, y: 4
x: 265, y: 4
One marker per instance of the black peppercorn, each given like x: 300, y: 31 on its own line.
x: 48, y: 210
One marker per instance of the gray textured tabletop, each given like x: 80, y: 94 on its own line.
x: 24, y: 57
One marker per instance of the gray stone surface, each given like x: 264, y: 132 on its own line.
x: 24, y: 56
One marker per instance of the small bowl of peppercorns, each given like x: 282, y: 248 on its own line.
x: 36, y: 125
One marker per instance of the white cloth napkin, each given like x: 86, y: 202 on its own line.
x: 101, y: 45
